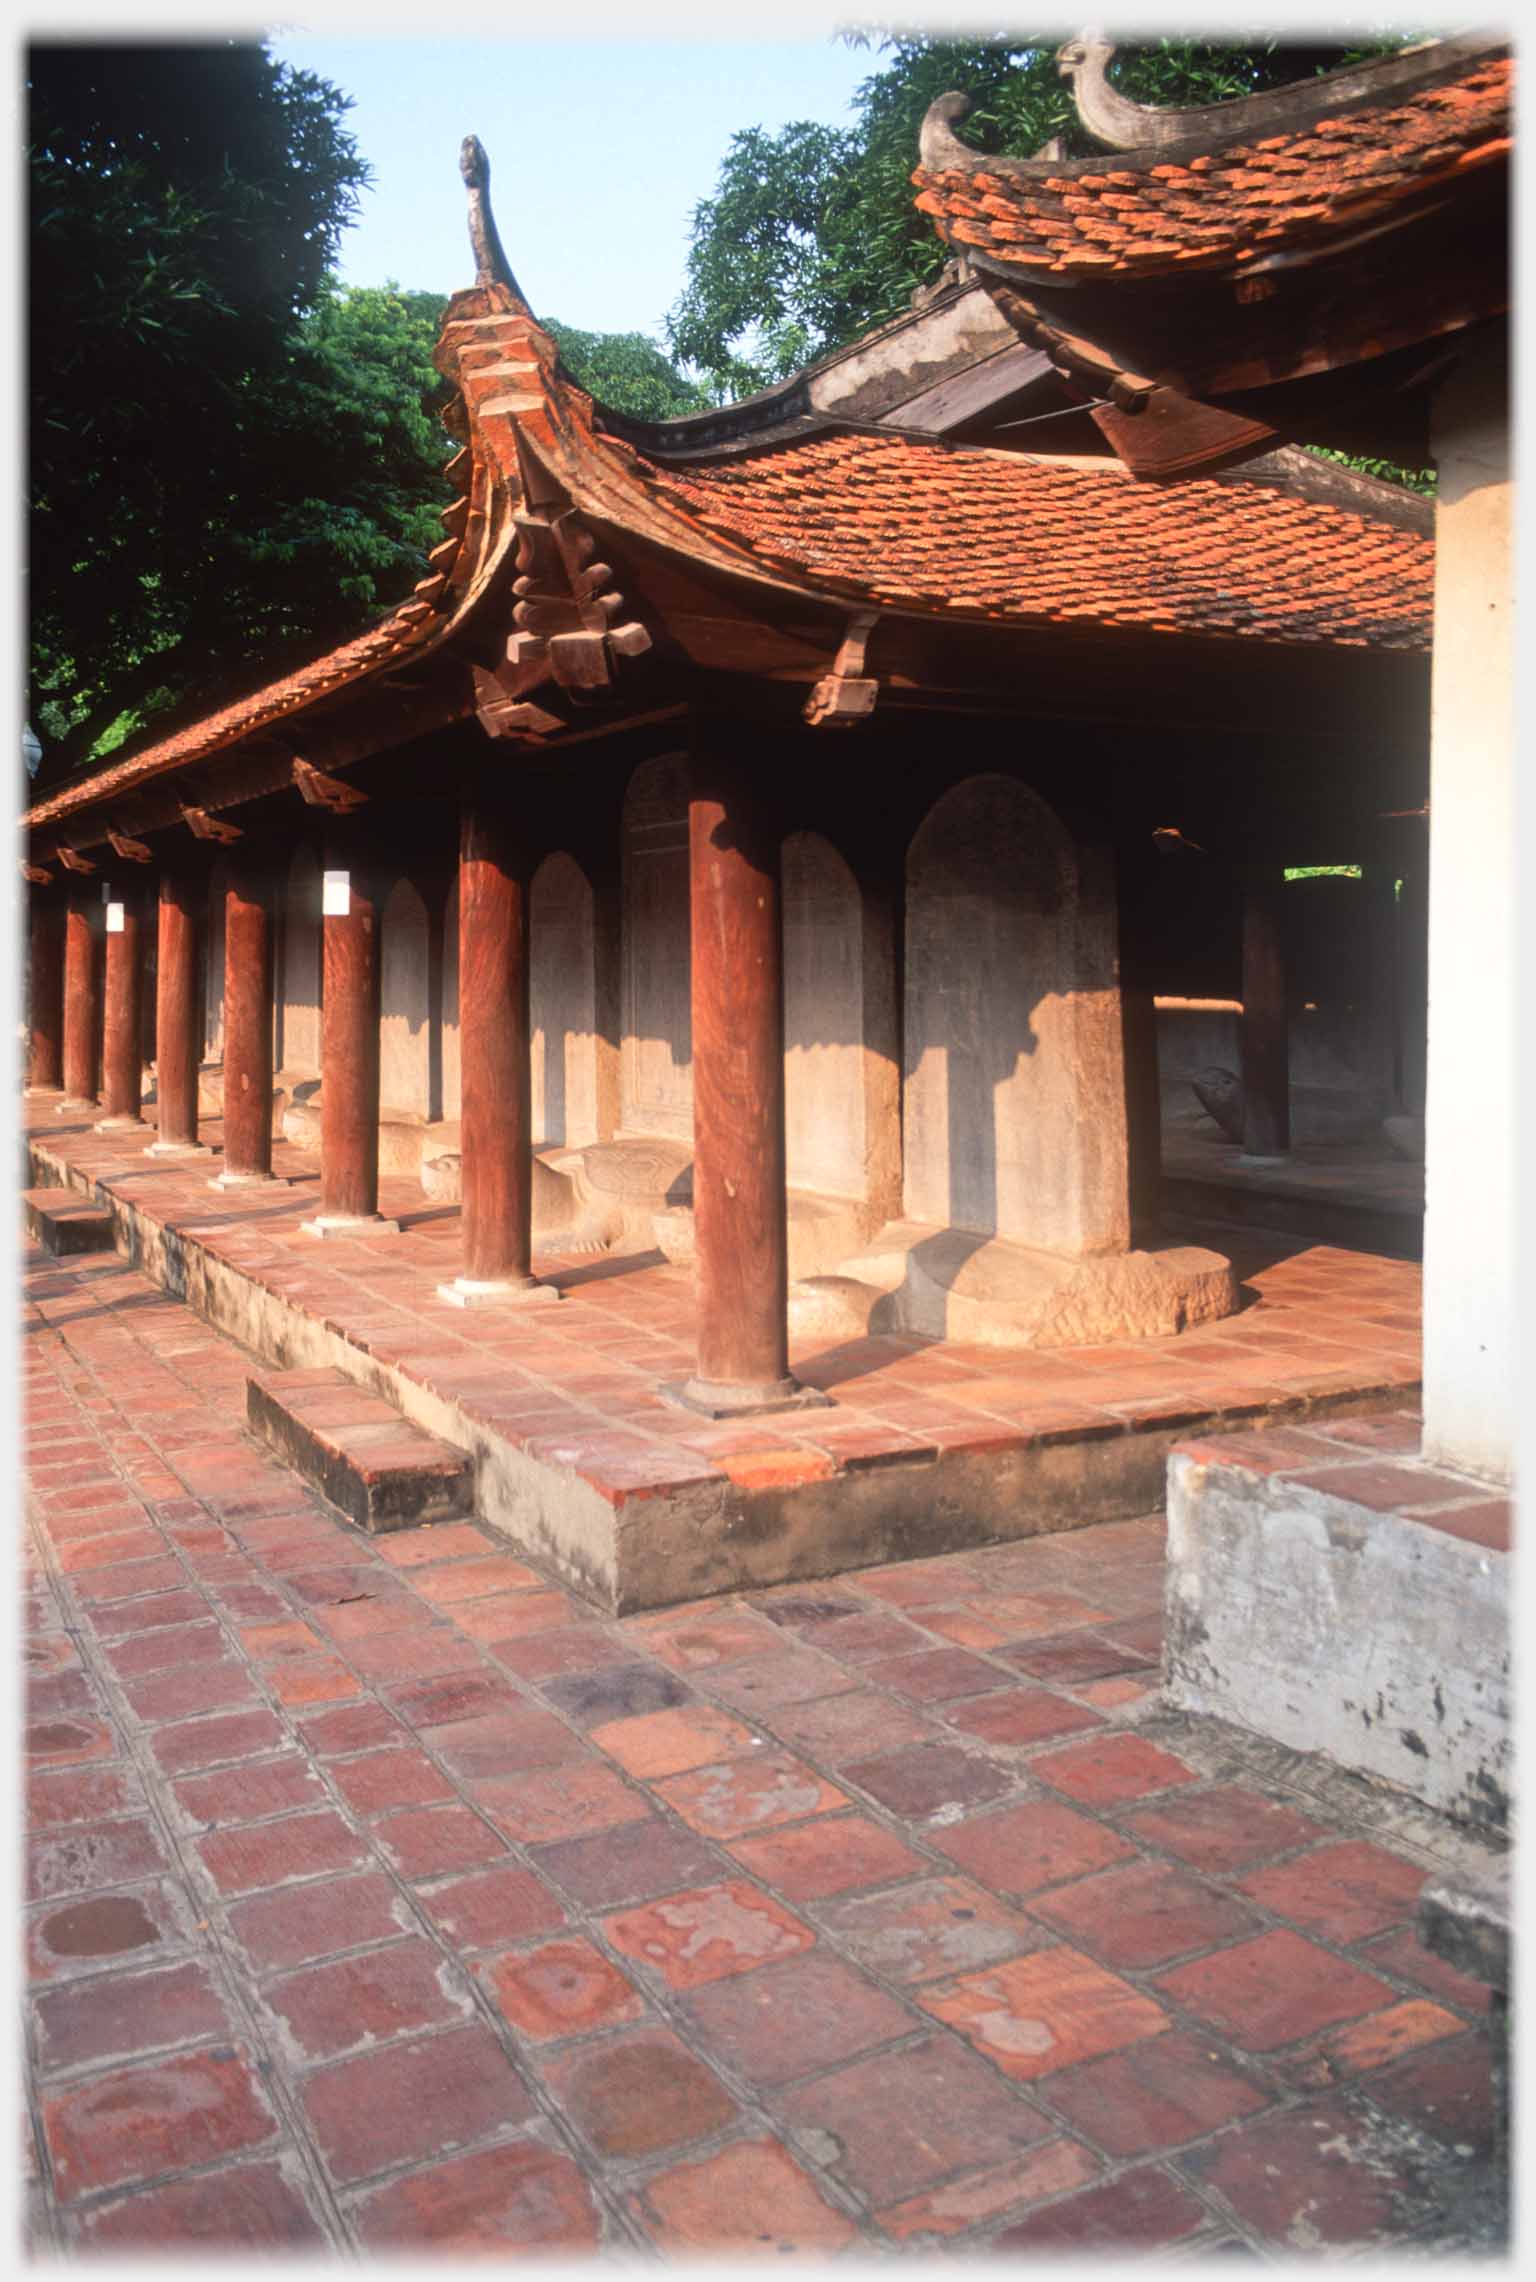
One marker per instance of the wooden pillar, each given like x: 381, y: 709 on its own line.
x: 45, y: 995
x: 247, y: 1035
x: 178, y: 1039
x: 122, y: 1042
x: 495, y: 1115
x: 349, y: 1056
x: 1265, y: 1035
x: 739, y: 1206
x: 79, y: 1007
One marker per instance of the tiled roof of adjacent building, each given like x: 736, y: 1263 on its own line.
x: 1163, y: 211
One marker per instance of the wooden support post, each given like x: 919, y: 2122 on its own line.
x: 122, y: 1044
x: 247, y: 1035
x: 79, y: 1007
x: 349, y: 1057
x: 1265, y: 1033
x: 739, y: 1204
x: 45, y: 995
x: 495, y: 1117
x: 177, y: 1038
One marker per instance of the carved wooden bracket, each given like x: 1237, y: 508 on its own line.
x: 206, y: 827
x: 566, y: 610
x: 131, y: 851
x: 38, y: 874
x: 503, y: 712
x: 322, y: 791
x: 846, y: 694
x: 72, y: 860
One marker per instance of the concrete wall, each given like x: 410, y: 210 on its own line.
x: 562, y: 1004
x: 405, y: 1004
x: 657, y: 1055
x: 1014, y: 1079
x: 1470, y: 1234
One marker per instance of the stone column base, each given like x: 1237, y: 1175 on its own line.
x: 349, y: 1224
x: 71, y: 1104
x: 178, y: 1149
x: 713, y: 1399
x: 39, y: 1093
x: 466, y: 1291
x: 247, y: 1181
x: 123, y: 1122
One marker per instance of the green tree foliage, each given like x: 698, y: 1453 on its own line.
x: 225, y: 455
x: 627, y: 371
x: 812, y: 237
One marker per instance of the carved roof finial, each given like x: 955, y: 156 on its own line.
x: 491, y: 264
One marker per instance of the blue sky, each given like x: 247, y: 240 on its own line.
x: 599, y: 150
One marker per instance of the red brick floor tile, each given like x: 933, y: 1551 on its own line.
x: 1141, y: 1914
x: 615, y: 1692
x: 1274, y: 1989
x: 935, y: 1675
x: 1446, y: 2089
x: 244, y: 2209
x: 487, y: 1909
x: 444, y: 1586
x: 164, y: 2115
x: 439, y: 1541
x: 1020, y: 1716
x: 395, y: 1777
x: 1119, y: 1694
x: 923, y: 1779
x: 80, y: 1795
x: 427, y: 1842
x: 853, y: 1725
x: 1048, y: 2010
x: 415, y: 1652
x: 896, y: 2123
x: 789, y: 1674
x: 218, y: 1742
x: 1112, y: 1770
x: 1402, y: 1953
x: 318, y: 1919
x: 413, y: 2101
x: 187, y: 1693
x: 523, y: 2196
x: 562, y: 1988
x: 311, y: 1680
x: 1154, y: 2095
x: 672, y: 1742
x: 808, y: 2014
x: 1067, y: 1661
x: 542, y: 1656
x: 826, y: 1857
x: 929, y: 1928
x: 1052, y: 2169
x: 744, y: 1795
x: 256, y: 1855
x: 97, y: 1854
x: 349, y: 1728
x: 630, y: 1863
x: 688, y: 1642
x: 1024, y: 1848
x: 1342, y: 1892
x: 167, y: 1647
x: 1369, y: 2043
x: 703, y: 1935
x: 551, y: 1803
x: 751, y: 2197
x: 119, y: 2016
x: 98, y: 1932
x: 250, y: 1792
x: 507, y: 1741
x: 331, y: 2008
x: 1224, y: 1829
x: 66, y: 1742
x: 1316, y: 2178
x: 861, y: 1640
x: 1140, y: 2210
x: 639, y: 2093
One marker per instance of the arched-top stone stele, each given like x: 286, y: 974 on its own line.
x: 562, y: 1004
x: 1014, y: 1091
x: 299, y: 1036
x: 405, y: 1004
x: 657, y: 1061
x: 824, y: 1084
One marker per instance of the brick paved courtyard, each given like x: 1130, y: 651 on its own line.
x: 380, y: 1894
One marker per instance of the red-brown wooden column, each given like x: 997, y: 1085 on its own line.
x: 496, y: 1113
x: 122, y: 1043
x: 79, y: 1007
x: 349, y: 1057
x: 247, y: 1035
x: 177, y: 1042
x: 739, y: 1204
x: 45, y: 995
x: 1265, y: 1033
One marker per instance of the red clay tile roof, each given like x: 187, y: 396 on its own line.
x: 992, y: 534
x: 1145, y: 216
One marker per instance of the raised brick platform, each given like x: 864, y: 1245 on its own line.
x: 63, y: 1220
x: 361, y: 1455
x: 926, y: 1446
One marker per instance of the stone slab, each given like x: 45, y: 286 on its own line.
x: 62, y: 1220
x: 359, y: 1452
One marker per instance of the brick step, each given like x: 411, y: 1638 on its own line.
x: 357, y: 1450
x: 64, y: 1220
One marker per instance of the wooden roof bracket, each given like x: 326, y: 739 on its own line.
x: 567, y: 614
x: 131, y: 851
x: 38, y: 874
x: 71, y: 858
x: 202, y: 826
x: 847, y: 694
x: 322, y: 791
